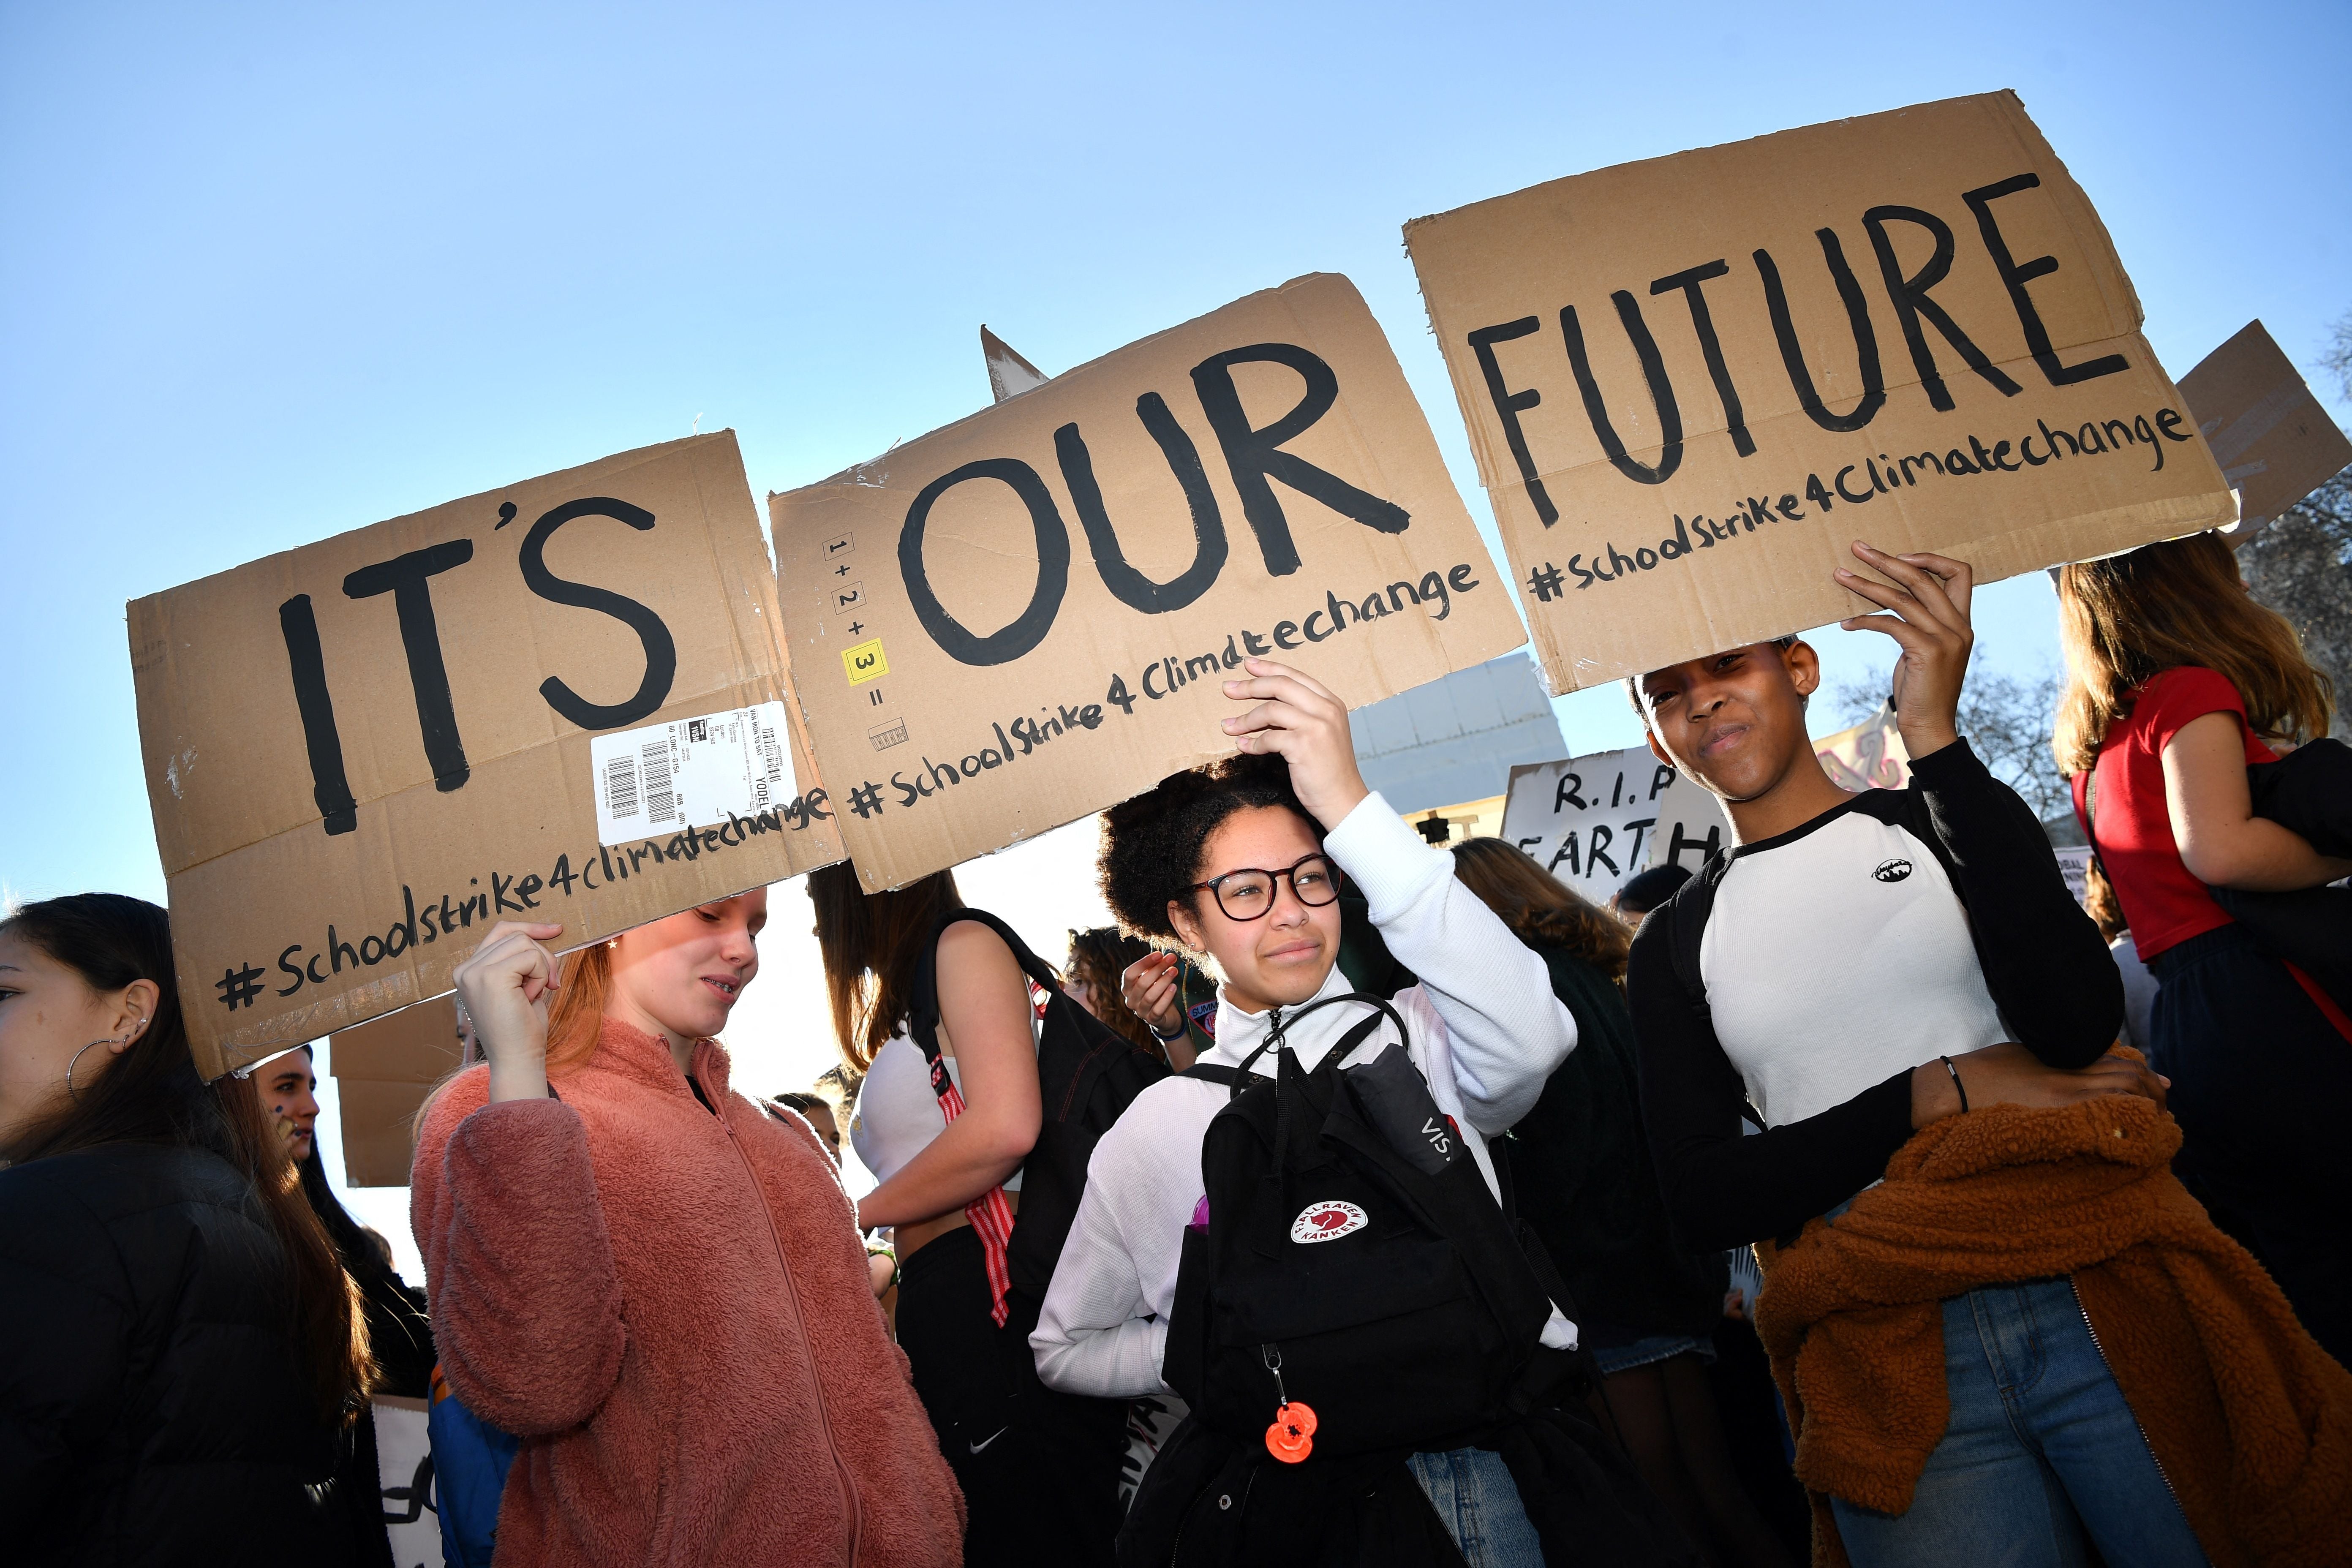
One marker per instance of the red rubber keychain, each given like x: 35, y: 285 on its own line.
x: 1292, y: 1436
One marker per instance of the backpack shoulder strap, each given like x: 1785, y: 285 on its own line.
x: 923, y: 1008
x: 1687, y: 915
x: 1210, y: 1072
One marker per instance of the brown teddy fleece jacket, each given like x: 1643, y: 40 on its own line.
x: 672, y: 1308
x: 2248, y: 1418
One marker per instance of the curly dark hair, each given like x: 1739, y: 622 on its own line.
x: 1151, y: 845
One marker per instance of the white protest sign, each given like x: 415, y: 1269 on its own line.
x: 403, y: 1458
x: 1594, y: 821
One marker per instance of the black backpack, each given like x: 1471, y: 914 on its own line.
x: 1087, y: 1076
x: 1355, y: 1262
x: 2309, y: 792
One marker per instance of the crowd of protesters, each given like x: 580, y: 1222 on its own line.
x: 1352, y: 1201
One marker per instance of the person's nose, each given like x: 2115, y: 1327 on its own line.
x: 303, y: 1106
x: 737, y: 946
x: 1289, y: 910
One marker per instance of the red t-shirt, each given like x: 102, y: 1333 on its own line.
x: 2162, y: 901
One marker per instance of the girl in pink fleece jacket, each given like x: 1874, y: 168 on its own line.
x: 660, y: 1288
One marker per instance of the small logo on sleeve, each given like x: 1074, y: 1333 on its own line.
x: 1893, y: 870
x: 1326, y: 1221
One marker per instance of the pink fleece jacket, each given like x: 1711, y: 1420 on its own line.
x: 672, y: 1309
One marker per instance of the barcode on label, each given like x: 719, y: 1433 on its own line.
x: 772, y: 753
x: 661, y: 803
x: 621, y: 786
x: 641, y: 781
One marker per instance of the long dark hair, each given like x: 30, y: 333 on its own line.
x: 151, y: 1094
x: 1540, y: 910
x: 871, y: 943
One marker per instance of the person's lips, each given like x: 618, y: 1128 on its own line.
x: 724, y: 985
x: 1291, y: 951
x: 1724, y: 737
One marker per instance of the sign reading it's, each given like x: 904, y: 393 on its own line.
x: 1026, y: 616
x: 1691, y: 382
x: 563, y: 701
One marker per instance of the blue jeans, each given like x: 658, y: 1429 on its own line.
x: 2042, y: 1455
x: 1473, y: 1493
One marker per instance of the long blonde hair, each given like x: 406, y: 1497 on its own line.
x: 2131, y: 617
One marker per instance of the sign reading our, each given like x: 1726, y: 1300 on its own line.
x: 1025, y: 617
x: 1691, y: 382
x: 363, y: 753
x: 1594, y: 821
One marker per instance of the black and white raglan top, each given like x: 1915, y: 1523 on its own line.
x: 1819, y: 967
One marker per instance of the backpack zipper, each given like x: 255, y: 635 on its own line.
x: 2090, y: 1329
x: 800, y: 1327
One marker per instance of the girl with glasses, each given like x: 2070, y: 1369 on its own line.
x: 1241, y: 863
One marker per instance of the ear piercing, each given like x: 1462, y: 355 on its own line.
x: 138, y: 1025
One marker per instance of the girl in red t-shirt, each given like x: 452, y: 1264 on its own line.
x: 2177, y: 682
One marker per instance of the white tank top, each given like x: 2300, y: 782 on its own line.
x: 896, y: 1115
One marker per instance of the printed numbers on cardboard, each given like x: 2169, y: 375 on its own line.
x: 864, y: 662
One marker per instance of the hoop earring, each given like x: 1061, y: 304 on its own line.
x: 72, y: 1093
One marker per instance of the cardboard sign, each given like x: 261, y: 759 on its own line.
x: 1594, y: 821
x: 1691, y: 382
x: 1025, y: 617
x: 384, y: 1069
x: 1871, y: 755
x: 2272, y: 439
x: 1691, y: 827
x: 363, y: 753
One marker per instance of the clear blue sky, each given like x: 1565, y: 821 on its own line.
x: 271, y: 272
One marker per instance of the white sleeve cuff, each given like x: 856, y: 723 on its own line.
x: 1389, y: 862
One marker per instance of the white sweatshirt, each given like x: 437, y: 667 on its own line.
x: 1487, y: 1032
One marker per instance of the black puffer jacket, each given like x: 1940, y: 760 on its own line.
x: 152, y: 1408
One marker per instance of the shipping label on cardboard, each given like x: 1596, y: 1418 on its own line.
x: 1593, y: 821
x: 2274, y: 442
x: 363, y: 753
x: 1691, y: 382
x: 690, y: 772
x: 1026, y: 616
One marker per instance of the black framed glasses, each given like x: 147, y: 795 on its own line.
x: 1247, y: 894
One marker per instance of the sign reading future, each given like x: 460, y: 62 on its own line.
x: 1691, y: 382
x: 561, y: 700
x: 1027, y: 616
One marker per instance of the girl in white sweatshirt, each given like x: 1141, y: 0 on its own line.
x: 1241, y: 862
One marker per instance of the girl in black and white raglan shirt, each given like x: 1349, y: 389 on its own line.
x: 1861, y: 962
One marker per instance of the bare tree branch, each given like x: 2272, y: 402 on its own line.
x: 2007, y: 722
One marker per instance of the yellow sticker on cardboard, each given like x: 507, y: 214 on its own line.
x: 865, y: 661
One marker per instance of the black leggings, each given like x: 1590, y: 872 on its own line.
x: 2261, y: 1081
x: 1039, y: 1470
